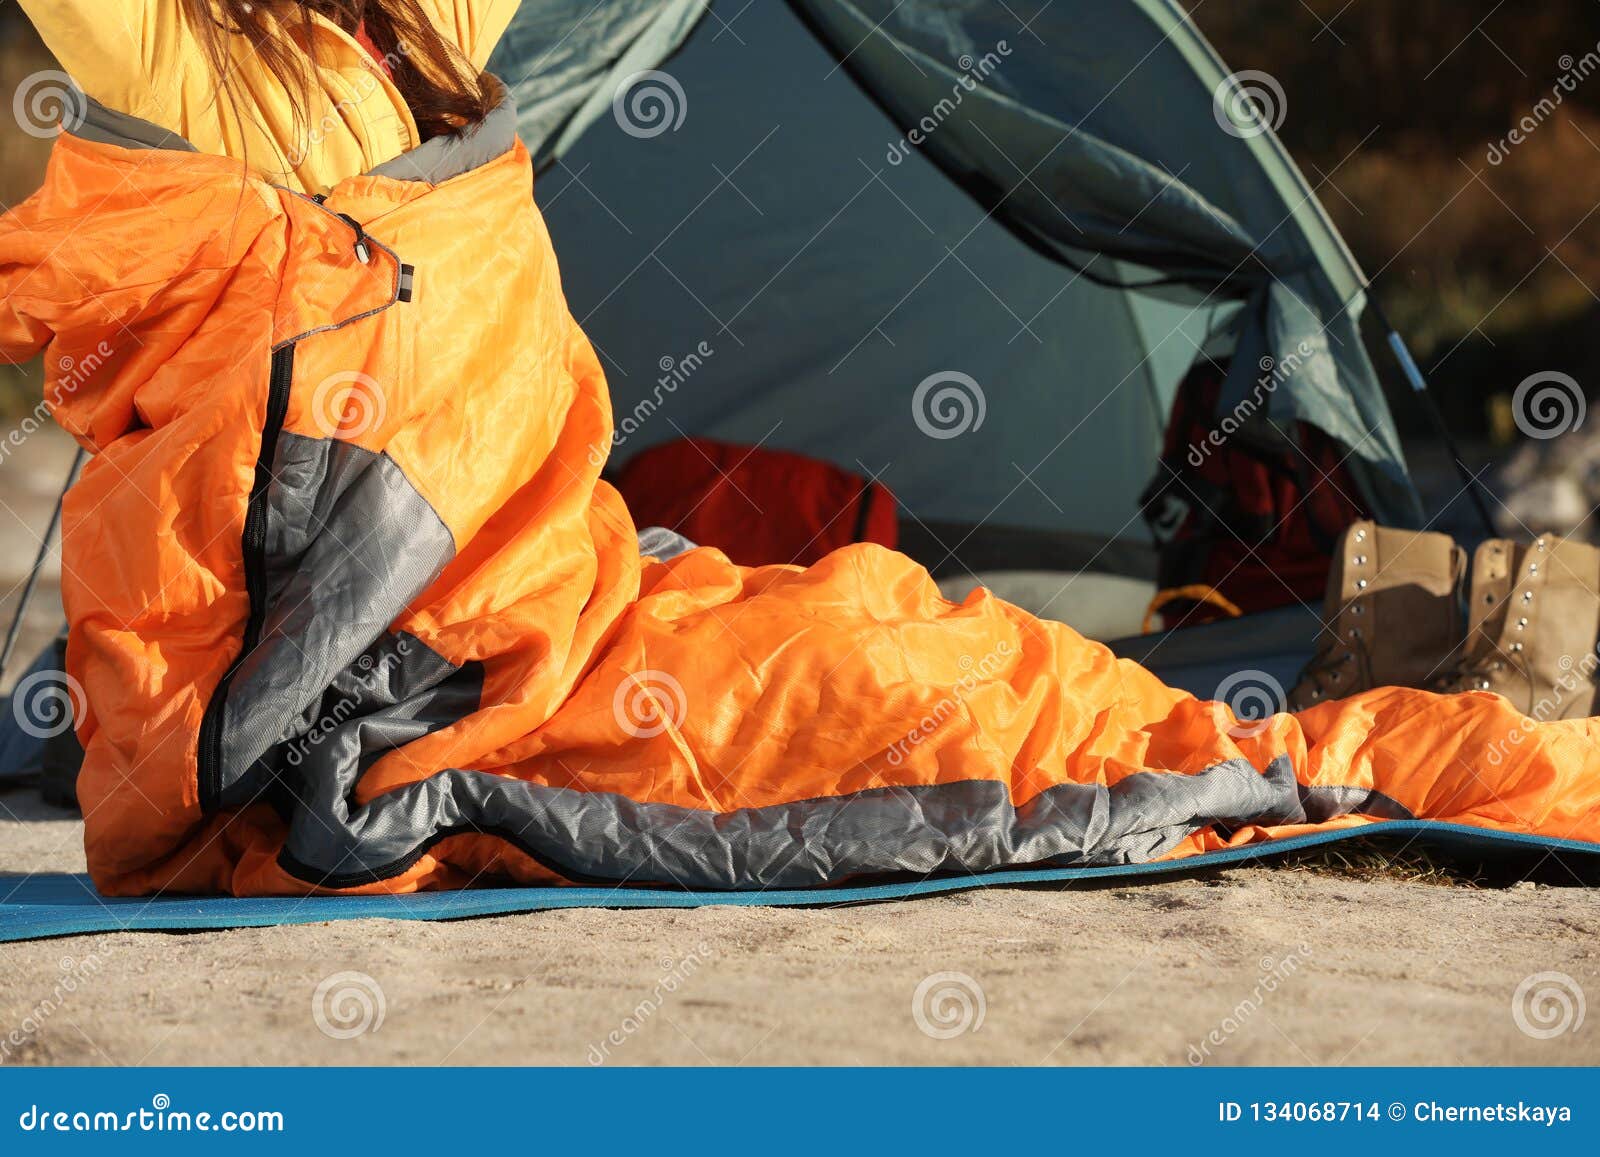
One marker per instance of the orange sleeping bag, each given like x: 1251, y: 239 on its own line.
x: 351, y: 608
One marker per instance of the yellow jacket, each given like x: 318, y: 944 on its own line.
x: 141, y: 57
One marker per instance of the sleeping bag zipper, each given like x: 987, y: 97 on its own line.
x: 208, y: 763
x: 210, y: 784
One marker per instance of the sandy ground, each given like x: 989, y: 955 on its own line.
x: 1248, y: 966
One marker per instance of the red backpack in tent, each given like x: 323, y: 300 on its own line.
x: 758, y: 506
x: 1245, y: 513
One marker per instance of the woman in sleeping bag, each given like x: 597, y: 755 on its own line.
x: 352, y: 610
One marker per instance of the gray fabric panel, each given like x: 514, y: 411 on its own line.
x: 436, y: 161
x: 659, y: 542
x: 350, y: 543
x: 391, y: 672
x: 398, y: 691
x: 969, y: 826
x: 433, y: 161
x: 107, y: 127
x: 1321, y: 804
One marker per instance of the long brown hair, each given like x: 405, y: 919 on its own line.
x: 439, y: 84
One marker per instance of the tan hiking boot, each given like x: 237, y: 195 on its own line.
x: 1392, y: 611
x: 1533, y: 614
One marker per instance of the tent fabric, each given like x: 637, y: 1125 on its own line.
x: 558, y: 57
x: 842, y: 301
x: 1109, y: 150
x: 46, y: 905
x: 377, y: 625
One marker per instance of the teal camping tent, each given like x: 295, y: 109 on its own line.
x: 966, y: 246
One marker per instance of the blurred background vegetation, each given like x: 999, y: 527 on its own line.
x: 1492, y: 271
x: 22, y: 160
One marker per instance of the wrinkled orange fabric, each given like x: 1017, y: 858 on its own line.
x: 158, y: 283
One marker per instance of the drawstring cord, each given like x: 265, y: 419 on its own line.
x: 363, y: 245
x: 363, y: 249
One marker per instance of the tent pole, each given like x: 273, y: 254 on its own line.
x: 38, y: 565
x: 1419, y: 386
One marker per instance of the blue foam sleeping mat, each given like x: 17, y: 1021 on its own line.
x: 38, y: 906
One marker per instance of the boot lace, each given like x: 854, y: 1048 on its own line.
x: 1473, y: 673
x: 1325, y: 669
